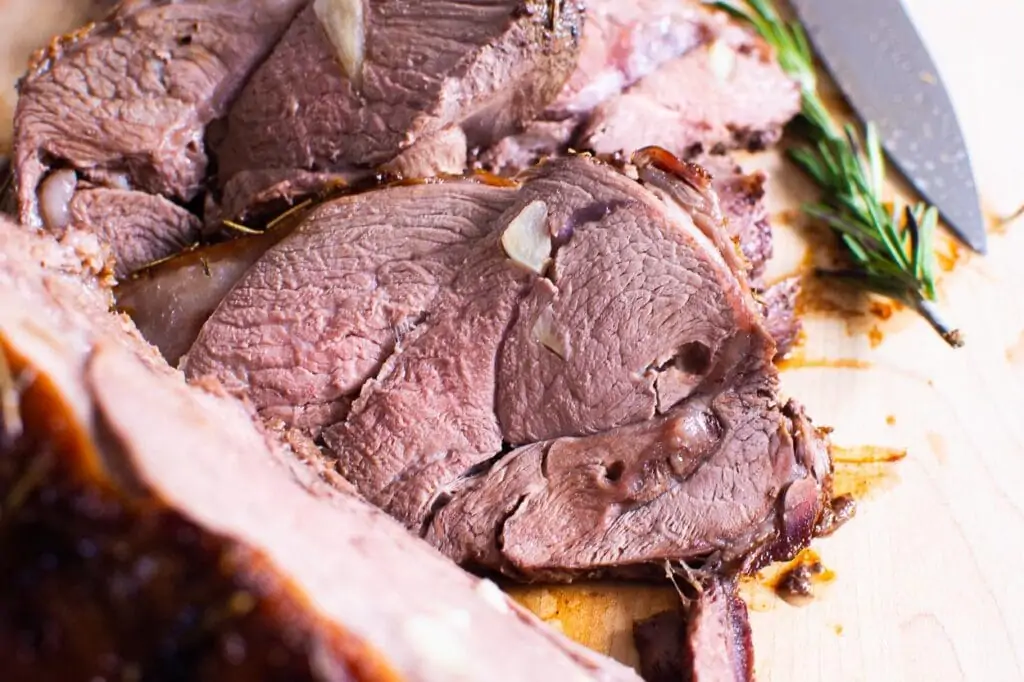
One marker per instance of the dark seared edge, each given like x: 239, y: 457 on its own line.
x: 99, y: 582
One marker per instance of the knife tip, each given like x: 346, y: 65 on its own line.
x: 975, y: 238
x: 969, y: 229
x: 976, y: 242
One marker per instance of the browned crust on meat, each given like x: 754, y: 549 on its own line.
x: 100, y: 582
x: 40, y: 61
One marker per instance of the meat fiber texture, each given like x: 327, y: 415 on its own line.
x: 611, y: 406
x: 158, y: 123
x: 659, y: 72
x: 729, y: 93
x: 120, y: 127
x: 130, y: 550
x: 111, y: 120
x: 170, y: 301
x: 431, y: 79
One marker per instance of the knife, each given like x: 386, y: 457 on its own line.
x: 877, y: 59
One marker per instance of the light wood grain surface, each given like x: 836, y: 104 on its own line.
x: 929, y: 583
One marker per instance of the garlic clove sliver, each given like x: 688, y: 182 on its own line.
x: 545, y: 332
x: 55, y: 194
x: 344, y: 23
x: 722, y: 59
x: 527, y: 240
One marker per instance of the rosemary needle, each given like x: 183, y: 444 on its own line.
x: 891, y: 249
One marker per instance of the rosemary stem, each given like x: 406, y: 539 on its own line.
x: 814, y: 110
x: 930, y: 312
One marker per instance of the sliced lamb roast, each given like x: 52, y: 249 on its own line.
x: 354, y: 84
x: 742, y: 199
x: 124, y: 104
x: 173, y: 291
x: 699, y: 485
x: 319, y: 313
x: 741, y: 196
x: 779, y: 302
x: 139, y: 228
x: 130, y: 550
x: 562, y: 378
x: 728, y: 93
x: 621, y: 43
x: 673, y: 74
x: 707, y: 641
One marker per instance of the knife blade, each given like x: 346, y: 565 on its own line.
x: 879, y: 62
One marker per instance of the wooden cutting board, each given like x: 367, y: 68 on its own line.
x: 928, y: 582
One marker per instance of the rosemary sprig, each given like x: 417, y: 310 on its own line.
x: 891, y: 249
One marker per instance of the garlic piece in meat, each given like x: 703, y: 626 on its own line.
x: 545, y: 332
x: 55, y: 195
x: 344, y: 23
x: 722, y: 59
x: 526, y: 240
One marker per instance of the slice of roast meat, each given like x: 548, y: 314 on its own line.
x: 322, y: 311
x: 718, y: 646
x: 353, y: 83
x: 602, y: 324
x: 705, y: 641
x: 729, y: 93
x: 805, y: 503
x: 742, y: 199
x: 124, y: 104
x: 673, y: 74
x: 621, y: 43
x: 428, y: 415
x: 123, y: 511
x: 779, y: 302
x: 139, y: 228
x: 588, y: 205
x: 723, y: 481
x: 170, y: 300
x: 636, y: 311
